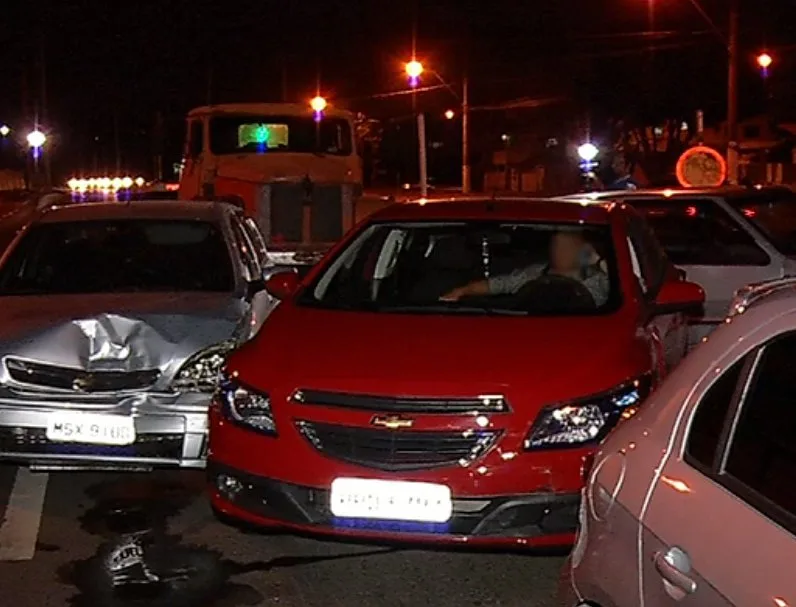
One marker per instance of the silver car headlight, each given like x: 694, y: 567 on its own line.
x: 200, y: 371
x: 245, y: 406
x: 587, y: 420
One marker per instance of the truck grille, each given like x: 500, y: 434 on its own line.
x: 484, y: 404
x: 77, y: 380
x: 326, y: 214
x: 396, y: 450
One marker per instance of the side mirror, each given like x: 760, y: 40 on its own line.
x: 679, y: 296
x: 282, y: 284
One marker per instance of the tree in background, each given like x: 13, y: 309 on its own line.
x: 647, y: 153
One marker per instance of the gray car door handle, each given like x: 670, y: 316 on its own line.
x: 672, y: 574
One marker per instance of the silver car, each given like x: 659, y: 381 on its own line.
x: 722, y: 238
x: 114, y: 321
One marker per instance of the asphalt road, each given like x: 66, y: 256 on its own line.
x: 74, y: 539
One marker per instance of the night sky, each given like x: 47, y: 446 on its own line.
x: 123, y: 62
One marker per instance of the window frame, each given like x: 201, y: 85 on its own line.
x: 196, y: 128
x: 641, y: 237
x: 717, y: 470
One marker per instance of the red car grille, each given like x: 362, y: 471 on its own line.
x: 393, y: 450
x: 403, y: 404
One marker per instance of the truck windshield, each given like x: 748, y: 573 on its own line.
x: 270, y: 134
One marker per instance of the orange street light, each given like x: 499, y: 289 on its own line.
x: 764, y: 60
x: 414, y: 69
x: 318, y: 104
x: 449, y: 114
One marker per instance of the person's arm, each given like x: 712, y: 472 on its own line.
x: 478, y: 287
x: 497, y: 285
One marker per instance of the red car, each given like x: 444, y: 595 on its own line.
x: 445, y: 372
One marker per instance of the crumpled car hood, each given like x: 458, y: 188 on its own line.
x: 119, y: 332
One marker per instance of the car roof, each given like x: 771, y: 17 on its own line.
x: 500, y: 209
x: 723, y: 192
x: 139, y: 209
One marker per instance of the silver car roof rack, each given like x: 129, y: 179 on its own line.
x: 747, y: 296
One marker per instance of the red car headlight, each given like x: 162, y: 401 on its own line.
x: 587, y: 420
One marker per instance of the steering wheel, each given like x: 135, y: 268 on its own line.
x: 553, y: 292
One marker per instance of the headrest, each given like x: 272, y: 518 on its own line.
x: 451, y: 252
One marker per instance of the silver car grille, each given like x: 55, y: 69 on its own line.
x: 52, y: 377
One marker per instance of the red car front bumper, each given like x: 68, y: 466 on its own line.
x: 506, y: 498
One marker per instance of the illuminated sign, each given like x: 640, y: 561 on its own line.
x: 701, y: 166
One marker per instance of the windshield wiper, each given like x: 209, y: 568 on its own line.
x: 452, y: 309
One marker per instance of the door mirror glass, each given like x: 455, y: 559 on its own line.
x: 679, y: 296
x: 282, y: 284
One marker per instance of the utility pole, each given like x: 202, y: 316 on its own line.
x: 43, y: 117
x: 465, y: 137
x: 732, y: 95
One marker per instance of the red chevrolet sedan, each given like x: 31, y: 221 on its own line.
x: 446, y: 371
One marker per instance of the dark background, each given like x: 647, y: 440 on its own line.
x: 124, y: 63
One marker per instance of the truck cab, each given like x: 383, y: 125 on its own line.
x: 297, y: 172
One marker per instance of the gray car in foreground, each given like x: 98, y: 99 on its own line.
x: 114, y: 321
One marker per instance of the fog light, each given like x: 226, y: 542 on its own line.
x: 228, y: 486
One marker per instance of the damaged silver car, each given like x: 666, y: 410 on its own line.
x: 115, y: 319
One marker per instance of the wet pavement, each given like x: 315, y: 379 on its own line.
x: 130, y: 540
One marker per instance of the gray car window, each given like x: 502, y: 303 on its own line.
x: 698, y: 232
x: 762, y: 453
x: 710, y: 417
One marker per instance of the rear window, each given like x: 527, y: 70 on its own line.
x: 773, y: 213
x: 699, y: 232
x: 119, y: 256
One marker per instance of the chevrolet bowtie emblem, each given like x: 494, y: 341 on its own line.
x: 392, y: 422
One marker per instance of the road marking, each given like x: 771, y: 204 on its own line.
x: 20, y: 528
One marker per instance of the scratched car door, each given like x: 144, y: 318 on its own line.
x: 721, y: 516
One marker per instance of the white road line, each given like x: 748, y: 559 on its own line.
x: 20, y: 527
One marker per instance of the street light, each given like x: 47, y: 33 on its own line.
x: 36, y: 139
x: 4, y: 130
x: 414, y: 69
x: 587, y: 152
x: 764, y: 60
x: 318, y: 104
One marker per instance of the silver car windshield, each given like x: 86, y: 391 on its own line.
x: 130, y: 255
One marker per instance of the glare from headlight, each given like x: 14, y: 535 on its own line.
x: 200, y: 372
x: 246, y: 406
x: 585, y: 421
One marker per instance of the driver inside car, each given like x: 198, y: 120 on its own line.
x: 571, y: 256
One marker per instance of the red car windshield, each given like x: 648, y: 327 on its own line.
x: 472, y: 267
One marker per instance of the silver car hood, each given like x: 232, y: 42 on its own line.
x: 120, y: 332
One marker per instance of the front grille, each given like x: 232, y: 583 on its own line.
x: 487, y: 403
x: 34, y: 441
x: 396, y: 450
x: 326, y: 212
x: 78, y: 380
